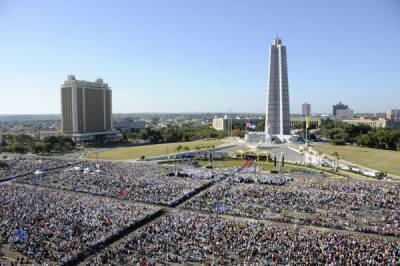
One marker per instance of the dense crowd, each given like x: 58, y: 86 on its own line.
x: 307, y: 174
x: 371, y: 207
x: 257, y: 200
x: 206, y: 174
x: 147, y: 182
x: 234, y: 174
x: 248, y: 175
x: 58, y: 225
x: 269, y: 179
x: 27, y: 164
x: 187, y: 237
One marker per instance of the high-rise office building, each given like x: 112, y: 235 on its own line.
x: 86, y: 109
x: 339, y: 106
x: 306, y: 109
x: 277, y: 121
x: 344, y: 114
x: 393, y: 115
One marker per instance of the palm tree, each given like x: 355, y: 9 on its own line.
x: 179, y: 148
x: 335, y: 154
x: 336, y: 158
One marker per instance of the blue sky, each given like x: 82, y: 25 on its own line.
x: 198, y: 55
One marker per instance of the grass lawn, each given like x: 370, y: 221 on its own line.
x: 383, y: 160
x: 150, y: 150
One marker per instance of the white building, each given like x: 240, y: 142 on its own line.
x: 219, y: 123
x: 128, y: 125
x: 374, y: 123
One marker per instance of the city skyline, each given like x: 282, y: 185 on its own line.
x: 200, y: 57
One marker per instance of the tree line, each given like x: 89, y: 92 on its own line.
x: 22, y: 143
x: 174, y: 134
x: 363, y: 135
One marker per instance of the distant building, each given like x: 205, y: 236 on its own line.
x: 374, y: 123
x: 393, y: 115
x: 339, y: 106
x: 380, y: 115
x: 296, y: 121
x: 341, y: 111
x: 223, y: 123
x: 86, y: 110
x: 299, y: 121
x: 394, y: 118
x: 41, y: 134
x: 128, y: 125
x: 306, y: 109
x: 344, y: 114
x: 219, y: 123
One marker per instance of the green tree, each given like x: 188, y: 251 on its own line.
x: 18, y: 148
x: 3, y: 164
x: 327, y: 123
x: 356, y: 130
x: 38, y: 147
x: 23, y: 139
x: 238, y: 133
x: 368, y: 140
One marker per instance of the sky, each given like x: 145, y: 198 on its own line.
x: 200, y: 55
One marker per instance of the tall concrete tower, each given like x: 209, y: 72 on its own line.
x: 277, y: 120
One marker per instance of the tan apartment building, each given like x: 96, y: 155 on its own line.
x: 86, y: 110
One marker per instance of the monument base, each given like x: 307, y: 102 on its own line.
x: 262, y: 138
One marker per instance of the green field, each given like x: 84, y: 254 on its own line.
x: 150, y: 150
x: 383, y: 160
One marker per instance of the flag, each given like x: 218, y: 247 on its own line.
x: 34, y: 180
x: 250, y: 126
x: 218, y: 207
x: 21, y: 234
x: 307, y: 122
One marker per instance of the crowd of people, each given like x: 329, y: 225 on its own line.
x: 250, y: 175
x: 146, y: 182
x: 21, y: 165
x: 53, y: 221
x: 49, y: 225
x: 234, y: 174
x: 204, y: 174
x: 259, y: 178
x: 188, y: 237
x: 371, y: 207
